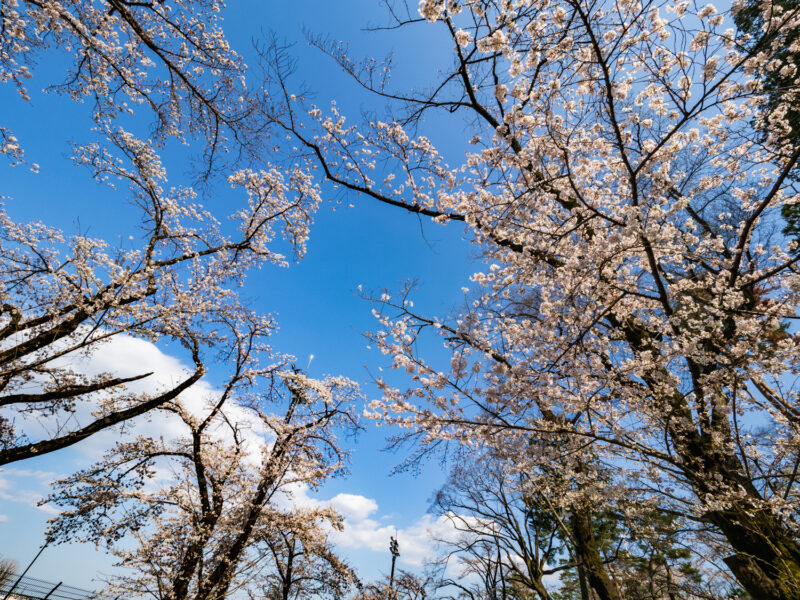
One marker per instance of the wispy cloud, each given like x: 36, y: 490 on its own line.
x: 25, y: 487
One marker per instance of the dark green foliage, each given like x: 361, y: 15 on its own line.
x: 781, y: 83
x: 647, y: 558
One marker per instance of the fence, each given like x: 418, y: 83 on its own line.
x: 31, y: 588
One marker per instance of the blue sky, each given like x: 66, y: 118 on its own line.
x: 314, y: 300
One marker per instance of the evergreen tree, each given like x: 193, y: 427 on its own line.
x: 760, y: 29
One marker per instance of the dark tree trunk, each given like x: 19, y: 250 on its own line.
x: 586, y: 593
x: 219, y: 580
x: 767, y: 560
x: 767, y: 555
x: 287, y: 580
x: 541, y: 591
x: 589, y: 557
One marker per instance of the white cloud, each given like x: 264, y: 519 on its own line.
x: 353, y: 506
x: 127, y: 356
x: 15, y: 488
x: 417, y: 541
x: 124, y: 356
x: 365, y: 528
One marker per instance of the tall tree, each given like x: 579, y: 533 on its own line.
x: 63, y: 296
x: 197, y: 507
x: 635, y: 297
x: 764, y: 29
x: 302, y: 561
x: 512, y: 541
x: 500, y: 537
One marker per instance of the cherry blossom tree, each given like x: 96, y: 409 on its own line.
x: 779, y: 82
x: 199, y: 508
x: 405, y: 586
x: 64, y: 297
x: 638, y: 297
x: 169, y: 60
x: 303, y: 563
x: 213, y: 523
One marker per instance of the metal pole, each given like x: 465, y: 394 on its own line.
x: 58, y: 585
x: 30, y: 564
x: 395, y: 550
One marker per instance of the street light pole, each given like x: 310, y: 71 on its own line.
x: 394, y: 548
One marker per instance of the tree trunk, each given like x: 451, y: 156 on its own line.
x: 538, y: 587
x: 586, y: 593
x: 767, y: 560
x: 216, y: 587
x: 192, y: 560
x: 767, y: 555
x: 287, y: 580
x: 589, y: 556
x: 218, y: 582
